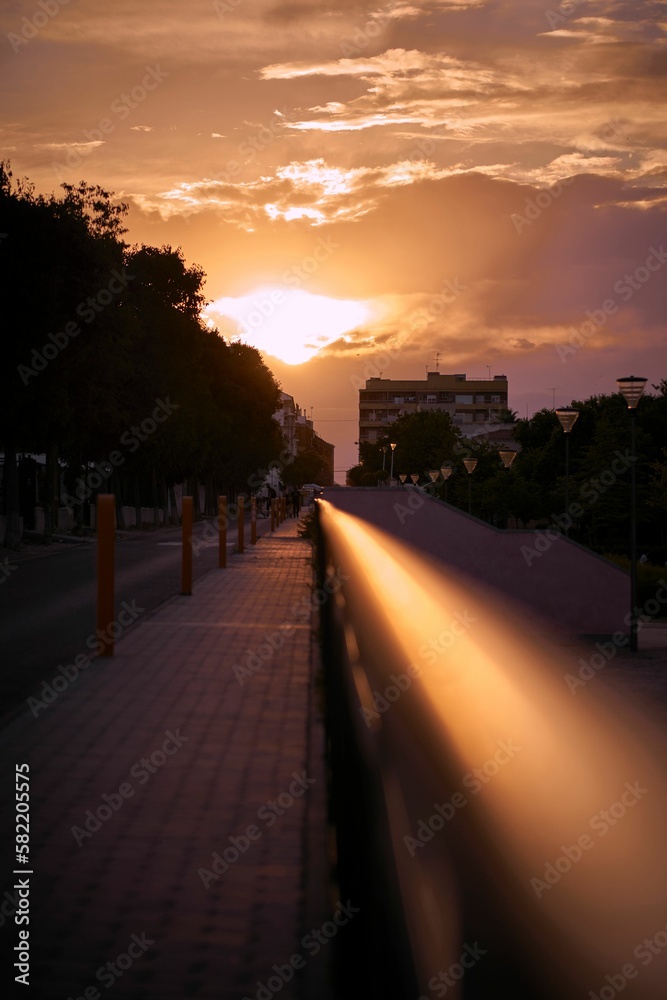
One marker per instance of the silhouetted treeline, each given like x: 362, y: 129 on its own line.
x: 108, y: 369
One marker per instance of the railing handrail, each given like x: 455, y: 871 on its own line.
x: 487, y: 771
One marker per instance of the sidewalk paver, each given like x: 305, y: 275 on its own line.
x: 175, y: 808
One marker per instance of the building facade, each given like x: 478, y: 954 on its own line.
x: 300, y: 436
x: 471, y: 402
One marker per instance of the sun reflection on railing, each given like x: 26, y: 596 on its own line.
x: 555, y: 843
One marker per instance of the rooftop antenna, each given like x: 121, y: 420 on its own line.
x: 552, y: 390
x: 488, y: 368
x: 437, y: 362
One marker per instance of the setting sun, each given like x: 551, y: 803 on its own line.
x: 290, y: 325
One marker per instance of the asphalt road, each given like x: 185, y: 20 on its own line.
x: 48, y: 601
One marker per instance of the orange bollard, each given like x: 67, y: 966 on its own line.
x: 222, y: 532
x: 186, y: 575
x: 273, y: 515
x: 253, y: 521
x: 241, y: 526
x: 106, y: 528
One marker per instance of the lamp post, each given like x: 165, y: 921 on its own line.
x: 415, y: 478
x: 567, y: 417
x: 392, y: 445
x: 470, y: 464
x: 402, y: 477
x: 383, y: 449
x: 631, y: 389
x: 507, y: 456
x: 446, y: 473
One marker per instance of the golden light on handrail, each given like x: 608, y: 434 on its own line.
x: 483, y: 680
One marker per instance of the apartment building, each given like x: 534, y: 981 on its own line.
x: 471, y: 402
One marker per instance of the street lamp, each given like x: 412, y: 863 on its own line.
x: 470, y: 464
x: 507, y: 456
x: 434, y: 474
x: 402, y: 477
x: 415, y: 478
x: 567, y: 417
x: 446, y: 473
x: 383, y: 449
x: 392, y: 445
x: 631, y: 389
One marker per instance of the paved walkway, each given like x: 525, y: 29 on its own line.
x: 178, y: 809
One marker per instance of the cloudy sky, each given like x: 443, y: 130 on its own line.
x: 370, y: 186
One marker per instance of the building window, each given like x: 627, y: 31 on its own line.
x: 461, y: 398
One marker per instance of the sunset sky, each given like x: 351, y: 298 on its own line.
x: 371, y: 185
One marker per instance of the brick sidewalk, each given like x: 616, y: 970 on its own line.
x: 152, y: 833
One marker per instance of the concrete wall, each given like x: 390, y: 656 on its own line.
x: 571, y: 588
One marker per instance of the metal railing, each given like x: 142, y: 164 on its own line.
x: 498, y: 832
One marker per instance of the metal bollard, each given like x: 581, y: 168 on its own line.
x: 106, y: 527
x: 241, y: 527
x: 186, y: 572
x: 222, y: 532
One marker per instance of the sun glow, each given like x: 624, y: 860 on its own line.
x: 290, y: 325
